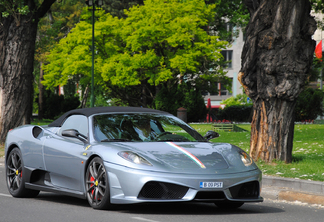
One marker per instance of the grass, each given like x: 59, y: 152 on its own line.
x: 308, y: 150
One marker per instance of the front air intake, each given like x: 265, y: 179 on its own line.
x: 162, y: 191
x: 210, y: 196
x: 248, y: 190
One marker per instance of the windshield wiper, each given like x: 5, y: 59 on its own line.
x: 115, y: 140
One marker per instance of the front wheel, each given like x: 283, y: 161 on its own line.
x: 14, y: 176
x: 97, y: 186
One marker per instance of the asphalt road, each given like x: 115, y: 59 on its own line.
x: 49, y: 207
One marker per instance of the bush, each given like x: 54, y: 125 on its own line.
x: 55, y: 105
x: 170, y: 100
x: 236, y: 113
x: 240, y: 99
x: 309, y: 104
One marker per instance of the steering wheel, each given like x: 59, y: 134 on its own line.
x: 162, y: 134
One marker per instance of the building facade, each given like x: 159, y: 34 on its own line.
x: 232, y: 54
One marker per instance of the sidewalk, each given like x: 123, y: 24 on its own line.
x: 279, y: 188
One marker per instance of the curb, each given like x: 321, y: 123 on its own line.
x: 294, y: 184
x: 286, y: 189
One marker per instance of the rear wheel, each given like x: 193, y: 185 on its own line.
x: 229, y: 205
x: 97, y: 186
x: 15, y: 177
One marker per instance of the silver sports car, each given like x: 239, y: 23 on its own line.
x: 127, y: 155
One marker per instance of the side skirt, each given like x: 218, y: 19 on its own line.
x: 56, y: 190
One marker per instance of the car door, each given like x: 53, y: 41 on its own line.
x: 63, y: 155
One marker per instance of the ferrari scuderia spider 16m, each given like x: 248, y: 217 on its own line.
x: 127, y: 155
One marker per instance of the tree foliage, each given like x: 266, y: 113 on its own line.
x: 229, y: 17
x: 183, y: 95
x: 155, y: 43
x: 60, y: 19
x: 117, y: 7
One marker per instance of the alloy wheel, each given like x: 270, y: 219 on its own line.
x: 97, y: 185
x: 14, y: 171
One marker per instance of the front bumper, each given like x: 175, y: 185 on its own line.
x: 127, y: 185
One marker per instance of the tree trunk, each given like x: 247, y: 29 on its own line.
x: 272, y: 130
x: 85, y: 97
x: 276, y: 59
x: 17, y: 45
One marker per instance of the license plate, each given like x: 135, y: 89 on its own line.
x: 211, y: 184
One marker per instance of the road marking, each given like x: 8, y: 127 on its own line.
x: 143, y: 219
x: 5, y: 195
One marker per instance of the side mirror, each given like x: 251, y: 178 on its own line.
x: 211, y: 135
x: 75, y: 134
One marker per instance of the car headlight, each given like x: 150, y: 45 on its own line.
x: 134, y: 158
x: 246, y: 159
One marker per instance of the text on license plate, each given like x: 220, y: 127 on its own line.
x: 211, y: 184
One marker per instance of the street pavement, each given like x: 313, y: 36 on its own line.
x: 286, y: 189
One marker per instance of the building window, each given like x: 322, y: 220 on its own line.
x: 223, y: 91
x: 228, y: 55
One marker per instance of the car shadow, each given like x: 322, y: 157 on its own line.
x: 194, y: 208
x: 62, y: 199
x: 188, y: 208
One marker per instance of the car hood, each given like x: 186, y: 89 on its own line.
x: 189, y: 157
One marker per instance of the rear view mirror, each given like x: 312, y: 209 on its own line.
x: 211, y: 135
x: 74, y: 134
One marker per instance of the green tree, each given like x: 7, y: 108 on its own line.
x: 157, y: 42
x: 58, y: 22
x: 229, y: 17
x: 117, y: 7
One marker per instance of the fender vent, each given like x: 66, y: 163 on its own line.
x: 37, y: 131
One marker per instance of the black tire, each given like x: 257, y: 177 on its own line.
x: 15, y: 177
x: 97, y: 186
x: 229, y: 205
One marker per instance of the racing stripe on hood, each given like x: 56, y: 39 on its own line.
x: 195, y: 159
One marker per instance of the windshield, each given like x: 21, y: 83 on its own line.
x: 143, y: 128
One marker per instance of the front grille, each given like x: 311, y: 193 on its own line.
x: 210, y: 195
x: 162, y: 191
x: 246, y: 190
